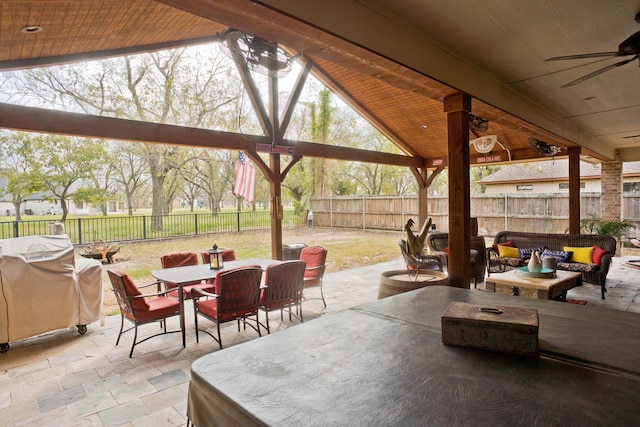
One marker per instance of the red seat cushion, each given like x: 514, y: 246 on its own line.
x: 138, y: 304
x: 210, y: 308
x: 314, y: 256
x: 227, y: 255
x: 179, y: 259
x: 158, y: 307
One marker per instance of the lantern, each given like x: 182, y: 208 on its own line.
x: 215, y: 258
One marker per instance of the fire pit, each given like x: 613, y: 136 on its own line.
x: 101, y: 251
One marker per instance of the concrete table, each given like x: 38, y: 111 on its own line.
x: 383, y: 363
x: 512, y: 283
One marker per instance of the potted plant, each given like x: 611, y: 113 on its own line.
x: 617, y: 228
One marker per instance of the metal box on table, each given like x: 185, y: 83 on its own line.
x: 498, y: 328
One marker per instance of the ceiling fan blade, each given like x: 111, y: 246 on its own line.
x: 600, y: 71
x: 587, y: 55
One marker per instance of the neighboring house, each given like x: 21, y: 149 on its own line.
x: 553, y: 177
x: 35, y: 204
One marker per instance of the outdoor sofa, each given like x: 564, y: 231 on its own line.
x: 590, y: 254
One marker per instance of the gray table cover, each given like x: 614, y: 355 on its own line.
x: 383, y: 364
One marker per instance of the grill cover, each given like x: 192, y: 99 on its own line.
x: 43, y: 289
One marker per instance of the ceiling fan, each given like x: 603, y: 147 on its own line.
x: 260, y: 55
x: 629, y: 47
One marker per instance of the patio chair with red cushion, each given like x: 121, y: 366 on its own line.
x: 315, y: 257
x: 181, y: 259
x: 237, y: 297
x: 283, y: 287
x: 141, y: 308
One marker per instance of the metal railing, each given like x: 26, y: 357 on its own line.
x: 130, y: 228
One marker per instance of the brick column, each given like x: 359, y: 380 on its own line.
x: 611, y: 191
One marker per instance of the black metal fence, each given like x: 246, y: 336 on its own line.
x: 130, y: 228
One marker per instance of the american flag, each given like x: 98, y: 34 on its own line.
x: 245, y: 178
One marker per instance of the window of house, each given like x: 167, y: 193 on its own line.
x: 565, y: 185
x: 631, y: 187
x: 524, y: 187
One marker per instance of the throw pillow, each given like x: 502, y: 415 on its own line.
x: 525, y: 253
x: 560, y: 256
x: 508, y: 252
x: 598, y: 253
x: 495, y: 246
x: 580, y: 255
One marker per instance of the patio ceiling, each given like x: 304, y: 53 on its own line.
x: 394, y: 62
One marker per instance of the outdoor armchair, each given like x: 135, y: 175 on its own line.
x: 419, y: 262
x: 315, y: 257
x: 237, y: 297
x: 284, y: 284
x: 181, y: 259
x: 140, y: 308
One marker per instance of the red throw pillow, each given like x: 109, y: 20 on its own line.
x: 598, y: 253
x: 495, y: 245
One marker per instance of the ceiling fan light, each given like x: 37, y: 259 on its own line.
x: 484, y: 144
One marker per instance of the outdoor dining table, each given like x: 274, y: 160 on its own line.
x: 200, y: 272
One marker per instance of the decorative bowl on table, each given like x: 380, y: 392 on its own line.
x: 545, y: 273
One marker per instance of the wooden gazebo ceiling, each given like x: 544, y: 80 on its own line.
x: 397, y: 100
x: 84, y: 29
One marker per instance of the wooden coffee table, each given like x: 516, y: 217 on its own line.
x: 511, y: 283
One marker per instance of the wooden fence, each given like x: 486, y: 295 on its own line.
x: 547, y: 213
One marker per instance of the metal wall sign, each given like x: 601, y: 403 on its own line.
x: 277, y: 149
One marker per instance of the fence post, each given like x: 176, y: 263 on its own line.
x: 402, y: 209
x: 144, y: 226
x: 364, y: 214
x: 79, y: 231
x: 238, y: 226
x: 331, y: 210
x: 16, y: 231
x: 195, y: 223
x: 506, y: 211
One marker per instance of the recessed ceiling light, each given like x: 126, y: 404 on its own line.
x: 424, y: 126
x: 30, y: 29
x: 589, y: 98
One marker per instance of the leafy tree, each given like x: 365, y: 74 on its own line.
x: 479, y: 172
x: 128, y: 170
x: 62, y: 162
x: 192, y: 87
x: 22, y: 180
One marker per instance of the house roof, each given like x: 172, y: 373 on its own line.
x: 556, y: 170
x: 387, y: 59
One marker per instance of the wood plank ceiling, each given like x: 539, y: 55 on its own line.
x: 405, y: 105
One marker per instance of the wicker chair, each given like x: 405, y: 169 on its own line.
x: 417, y: 263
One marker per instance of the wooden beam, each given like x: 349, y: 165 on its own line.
x: 254, y: 96
x: 30, y: 119
x: 293, y: 98
x: 46, y: 61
